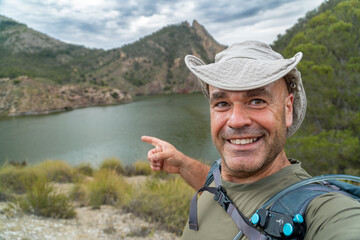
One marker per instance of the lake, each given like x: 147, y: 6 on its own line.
x: 93, y: 134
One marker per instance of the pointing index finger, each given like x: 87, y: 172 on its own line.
x: 152, y: 140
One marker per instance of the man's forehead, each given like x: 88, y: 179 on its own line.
x: 269, y: 89
x: 218, y: 92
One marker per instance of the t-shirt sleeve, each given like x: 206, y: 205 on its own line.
x: 333, y: 216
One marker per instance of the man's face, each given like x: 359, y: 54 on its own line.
x: 249, y: 127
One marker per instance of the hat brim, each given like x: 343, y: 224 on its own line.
x: 239, y: 74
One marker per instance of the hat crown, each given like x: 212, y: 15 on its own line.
x: 255, y: 50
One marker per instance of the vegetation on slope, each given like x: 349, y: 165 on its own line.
x: 330, y: 41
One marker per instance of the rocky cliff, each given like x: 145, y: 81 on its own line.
x: 25, y: 96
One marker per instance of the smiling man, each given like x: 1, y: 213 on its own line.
x: 257, y: 100
x: 249, y: 130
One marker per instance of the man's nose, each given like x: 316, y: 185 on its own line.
x: 239, y: 117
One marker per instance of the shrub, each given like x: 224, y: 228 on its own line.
x: 42, y: 201
x: 142, y: 168
x: 85, y: 169
x: 79, y: 193
x: 57, y: 171
x: 108, y: 188
x: 114, y: 164
x: 167, y: 202
x: 129, y: 170
x: 17, y: 179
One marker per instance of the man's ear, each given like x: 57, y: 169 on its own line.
x: 289, y: 100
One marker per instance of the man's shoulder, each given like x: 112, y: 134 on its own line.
x: 332, y: 202
x: 333, y: 216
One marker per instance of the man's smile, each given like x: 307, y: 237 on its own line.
x: 243, y: 141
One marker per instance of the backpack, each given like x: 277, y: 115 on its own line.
x: 281, y: 217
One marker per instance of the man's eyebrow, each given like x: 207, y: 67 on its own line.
x: 263, y: 91
x: 217, y: 95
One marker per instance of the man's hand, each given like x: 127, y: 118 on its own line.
x: 165, y: 157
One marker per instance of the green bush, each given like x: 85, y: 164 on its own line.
x: 79, y: 193
x: 114, y: 164
x: 16, y: 179
x: 164, y: 201
x: 85, y: 169
x: 57, y: 171
x: 129, y: 170
x: 42, y: 201
x: 107, y: 188
x: 142, y: 168
x: 138, y: 168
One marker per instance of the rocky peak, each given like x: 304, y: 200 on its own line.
x: 207, y: 41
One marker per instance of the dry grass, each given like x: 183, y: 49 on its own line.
x: 164, y: 201
x: 113, y: 164
x: 18, y: 179
x: 57, y: 171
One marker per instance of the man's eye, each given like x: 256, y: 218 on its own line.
x: 257, y: 102
x: 221, y: 104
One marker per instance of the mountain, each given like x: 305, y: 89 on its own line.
x: 152, y: 65
x: 155, y: 64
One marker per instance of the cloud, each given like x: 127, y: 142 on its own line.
x: 112, y: 23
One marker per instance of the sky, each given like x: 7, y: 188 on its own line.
x: 108, y: 24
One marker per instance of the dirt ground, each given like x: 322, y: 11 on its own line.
x: 105, y: 223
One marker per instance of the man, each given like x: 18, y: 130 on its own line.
x: 256, y: 101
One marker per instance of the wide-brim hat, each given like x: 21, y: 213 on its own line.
x: 249, y: 65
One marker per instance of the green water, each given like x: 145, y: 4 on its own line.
x: 93, y: 134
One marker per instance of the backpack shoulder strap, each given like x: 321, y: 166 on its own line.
x: 324, y: 179
x: 290, y: 204
x: 220, y: 196
x: 210, y: 176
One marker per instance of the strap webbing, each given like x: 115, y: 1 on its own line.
x: 240, y: 220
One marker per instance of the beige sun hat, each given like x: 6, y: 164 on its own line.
x: 249, y: 65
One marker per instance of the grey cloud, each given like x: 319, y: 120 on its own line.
x: 112, y: 24
x: 222, y: 12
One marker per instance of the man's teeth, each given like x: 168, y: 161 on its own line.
x: 243, y: 141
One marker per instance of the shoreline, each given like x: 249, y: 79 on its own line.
x: 61, y: 110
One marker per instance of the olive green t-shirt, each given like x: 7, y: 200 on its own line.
x: 330, y: 216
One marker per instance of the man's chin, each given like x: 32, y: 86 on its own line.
x: 242, y: 164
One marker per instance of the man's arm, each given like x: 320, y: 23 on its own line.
x: 165, y: 157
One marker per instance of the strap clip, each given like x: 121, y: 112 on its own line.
x: 221, y: 198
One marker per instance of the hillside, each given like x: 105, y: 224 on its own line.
x: 155, y: 64
x: 27, y: 52
x: 152, y: 65
x: 330, y: 41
